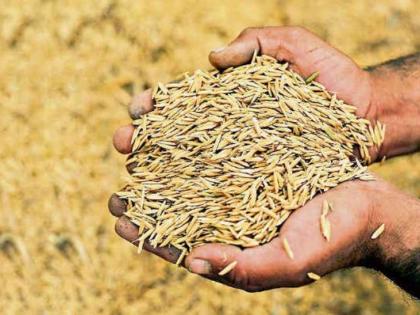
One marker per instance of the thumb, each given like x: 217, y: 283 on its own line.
x: 237, y: 53
x: 210, y: 259
x: 222, y: 263
x: 251, y: 269
x: 271, y: 41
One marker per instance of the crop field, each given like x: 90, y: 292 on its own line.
x: 67, y: 71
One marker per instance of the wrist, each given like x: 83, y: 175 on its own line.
x: 396, y: 251
x: 394, y: 104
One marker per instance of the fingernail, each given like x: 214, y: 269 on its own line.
x: 217, y: 50
x: 199, y: 266
x: 135, y: 109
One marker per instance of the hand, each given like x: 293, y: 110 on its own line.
x: 357, y: 210
x: 306, y: 53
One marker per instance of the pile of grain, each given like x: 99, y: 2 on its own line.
x: 226, y: 157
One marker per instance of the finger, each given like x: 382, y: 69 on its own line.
x: 289, y: 43
x: 210, y: 259
x: 130, y: 165
x: 237, y: 53
x: 122, y: 139
x: 129, y: 231
x: 141, y: 104
x: 116, y: 206
x: 261, y: 267
x: 271, y: 41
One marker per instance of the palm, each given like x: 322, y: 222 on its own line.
x: 269, y: 266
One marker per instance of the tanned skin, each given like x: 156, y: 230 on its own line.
x: 390, y: 93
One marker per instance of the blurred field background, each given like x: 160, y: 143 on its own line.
x: 67, y: 70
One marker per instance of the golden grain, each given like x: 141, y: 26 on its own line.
x: 324, y: 222
x: 226, y: 157
x: 325, y: 228
x: 228, y: 268
x: 313, y: 276
x: 313, y: 77
x: 287, y: 248
x: 378, y: 231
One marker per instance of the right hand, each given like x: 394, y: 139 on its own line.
x: 305, y: 52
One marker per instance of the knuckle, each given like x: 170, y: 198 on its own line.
x: 240, y: 278
x: 243, y: 280
x: 248, y: 31
x: 296, y: 31
x: 297, y: 275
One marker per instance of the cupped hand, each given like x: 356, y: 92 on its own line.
x: 268, y: 266
x: 306, y: 53
x: 353, y: 219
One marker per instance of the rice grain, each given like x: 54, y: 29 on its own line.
x: 287, y: 248
x: 313, y: 276
x: 228, y: 156
x: 228, y: 268
x: 378, y: 231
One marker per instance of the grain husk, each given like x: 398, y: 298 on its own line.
x: 313, y: 276
x: 226, y: 156
x: 228, y: 268
x: 378, y: 232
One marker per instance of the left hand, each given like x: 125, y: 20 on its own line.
x: 353, y: 219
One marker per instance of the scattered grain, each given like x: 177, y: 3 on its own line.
x: 313, y: 276
x: 378, y: 231
x: 228, y: 268
x: 324, y: 222
x: 287, y: 248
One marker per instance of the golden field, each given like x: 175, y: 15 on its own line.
x: 67, y: 71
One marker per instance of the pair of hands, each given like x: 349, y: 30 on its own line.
x: 358, y: 207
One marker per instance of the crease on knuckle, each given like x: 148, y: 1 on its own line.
x: 243, y: 280
x: 248, y: 31
x: 240, y: 278
x: 297, y: 274
x: 296, y: 31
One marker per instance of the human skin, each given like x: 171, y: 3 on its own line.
x: 388, y: 93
